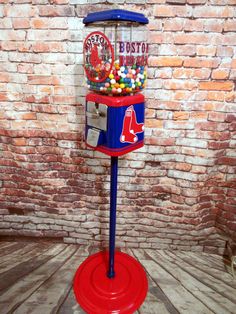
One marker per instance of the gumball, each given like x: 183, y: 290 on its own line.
x: 133, y: 72
x: 123, y: 75
x: 130, y: 71
x: 107, y: 84
x: 111, y: 76
x: 119, y: 90
x: 122, y: 85
x: 113, y: 81
x: 117, y: 85
x: 122, y: 69
x: 117, y: 78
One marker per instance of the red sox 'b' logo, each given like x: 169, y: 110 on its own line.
x: 130, y: 127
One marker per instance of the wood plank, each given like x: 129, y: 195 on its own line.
x: 200, y: 264
x: 19, y: 252
x: 22, y: 289
x: 25, y: 266
x: 16, y: 260
x: 156, y: 301
x: 11, y: 248
x: 5, y: 244
x: 206, y: 293
x: 215, y: 260
x: 70, y: 305
x: 182, y: 299
x: 49, y: 297
x: 206, y: 260
x: 214, y: 283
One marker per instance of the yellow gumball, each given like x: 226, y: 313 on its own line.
x: 111, y: 76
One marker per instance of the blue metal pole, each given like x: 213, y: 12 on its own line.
x: 113, y: 197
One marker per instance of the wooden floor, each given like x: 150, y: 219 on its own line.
x: 37, y: 278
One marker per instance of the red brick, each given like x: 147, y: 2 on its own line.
x: 29, y: 116
x: 25, y: 68
x: 201, y: 63
x: 216, y: 85
x: 173, y: 25
x: 212, y: 26
x: 4, y: 78
x: 47, y: 47
x: 39, y: 23
x: 233, y: 63
x: 218, y: 96
x: 19, y: 141
x: 59, y: 1
x: 217, y: 116
x: 195, y: 2
x: 181, y: 95
x: 220, y: 74
x: 21, y: 23
x: 43, y: 80
x: 193, y: 25
x: 51, y: 11
x: 229, y: 26
x: 183, y: 166
x: 227, y: 161
x: 176, y: 1
x: 230, y: 118
x: 206, y: 51
x: 230, y: 96
x: 165, y: 61
x: 223, y: 51
x: 163, y: 11
x: 199, y: 115
x: 153, y: 123
x: 212, y: 12
x: 181, y: 115
x: 9, y: 45
x: 180, y: 84
x: 161, y: 141
x: 191, y: 38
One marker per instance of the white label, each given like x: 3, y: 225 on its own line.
x: 92, y: 137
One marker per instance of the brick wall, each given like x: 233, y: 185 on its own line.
x: 176, y: 192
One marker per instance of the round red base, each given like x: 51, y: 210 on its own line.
x: 123, y: 294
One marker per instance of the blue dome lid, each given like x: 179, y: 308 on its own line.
x: 116, y: 15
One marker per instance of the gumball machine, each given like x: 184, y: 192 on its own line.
x: 115, y: 63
